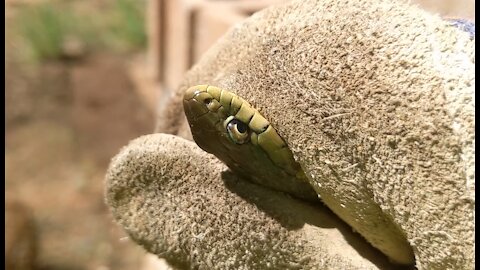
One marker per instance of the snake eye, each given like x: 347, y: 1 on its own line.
x: 238, y: 131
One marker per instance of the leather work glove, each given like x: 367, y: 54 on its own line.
x: 374, y: 99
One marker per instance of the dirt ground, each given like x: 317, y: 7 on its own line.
x: 64, y: 121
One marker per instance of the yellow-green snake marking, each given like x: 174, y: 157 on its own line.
x: 227, y: 126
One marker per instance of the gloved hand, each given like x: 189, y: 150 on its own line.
x: 375, y: 101
x: 186, y: 206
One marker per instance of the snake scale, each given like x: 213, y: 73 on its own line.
x: 228, y: 127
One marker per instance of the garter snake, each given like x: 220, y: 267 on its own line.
x: 228, y: 127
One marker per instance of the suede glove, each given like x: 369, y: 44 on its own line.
x: 376, y: 101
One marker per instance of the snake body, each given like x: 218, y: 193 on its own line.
x: 228, y: 127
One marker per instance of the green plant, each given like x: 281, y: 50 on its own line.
x: 44, y: 28
x: 128, y: 22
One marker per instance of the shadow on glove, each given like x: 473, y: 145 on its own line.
x: 170, y: 198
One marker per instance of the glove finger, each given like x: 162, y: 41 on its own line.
x: 182, y: 204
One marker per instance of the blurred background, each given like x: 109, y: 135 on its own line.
x: 83, y: 77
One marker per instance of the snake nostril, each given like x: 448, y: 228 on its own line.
x: 207, y: 101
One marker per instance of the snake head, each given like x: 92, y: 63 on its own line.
x: 228, y: 127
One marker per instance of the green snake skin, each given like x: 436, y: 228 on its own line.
x: 228, y: 127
